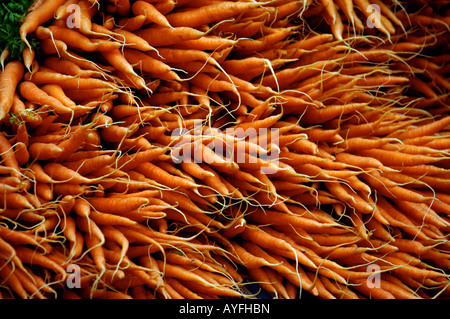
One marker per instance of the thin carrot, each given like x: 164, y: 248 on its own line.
x: 399, y: 159
x: 153, y: 15
x: 29, y: 256
x: 12, y: 279
x: 132, y: 40
x: 209, y: 13
x: 132, y: 24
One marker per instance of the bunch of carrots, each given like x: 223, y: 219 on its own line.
x: 343, y: 192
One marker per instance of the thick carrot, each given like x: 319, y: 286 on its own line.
x: 37, y: 17
x: 34, y: 94
x: 10, y: 77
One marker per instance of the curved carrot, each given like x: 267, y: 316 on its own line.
x: 34, y: 94
x: 153, y: 15
x: 37, y: 17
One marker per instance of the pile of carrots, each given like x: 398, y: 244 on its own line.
x: 113, y: 185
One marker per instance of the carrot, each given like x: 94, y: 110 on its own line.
x: 182, y: 289
x: 9, y: 79
x: 132, y: 24
x: 68, y: 67
x: 425, y: 129
x: 397, y: 158
x: 373, y: 292
x: 296, y: 274
x: 95, y: 249
x: 116, y: 58
x: 17, y: 237
x: 276, y: 245
x: 153, y: 15
x: 398, y: 219
x: 111, y: 233
x: 201, y: 284
x: 34, y: 94
x: 57, y: 92
x: 29, y: 256
x: 8, y: 157
x: 259, y: 275
x: 247, y: 259
x: 209, y: 13
x: 87, y: 166
x: 117, y: 205
x: 86, y: 13
x: 70, y: 37
x: 66, y: 81
x: 60, y: 173
x: 159, y: 36
x: 3, y: 56
x: 44, y: 151
x: 359, y: 161
x: 144, y: 62
x: 73, y: 142
x: 37, y: 17
x: 132, y: 40
x: 12, y: 279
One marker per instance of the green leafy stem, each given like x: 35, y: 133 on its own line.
x: 13, y: 14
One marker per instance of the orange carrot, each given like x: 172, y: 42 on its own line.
x: 153, y: 15
x: 9, y: 80
x: 37, y: 17
x: 209, y: 13
x: 34, y: 94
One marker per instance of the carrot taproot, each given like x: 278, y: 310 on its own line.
x: 12, y: 279
x: 425, y: 129
x: 10, y: 77
x: 37, y: 17
x: 247, y: 259
x: 34, y: 94
x: 150, y: 12
x: 8, y: 157
x: 29, y: 256
x: 209, y: 13
x: 60, y: 173
x: 259, y: 275
x: 68, y: 67
x: 163, y: 36
x: 201, y: 284
x: 132, y: 24
x: 294, y: 274
x: 132, y: 40
x: 388, y: 157
x: 117, y: 205
x: 116, y: 58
